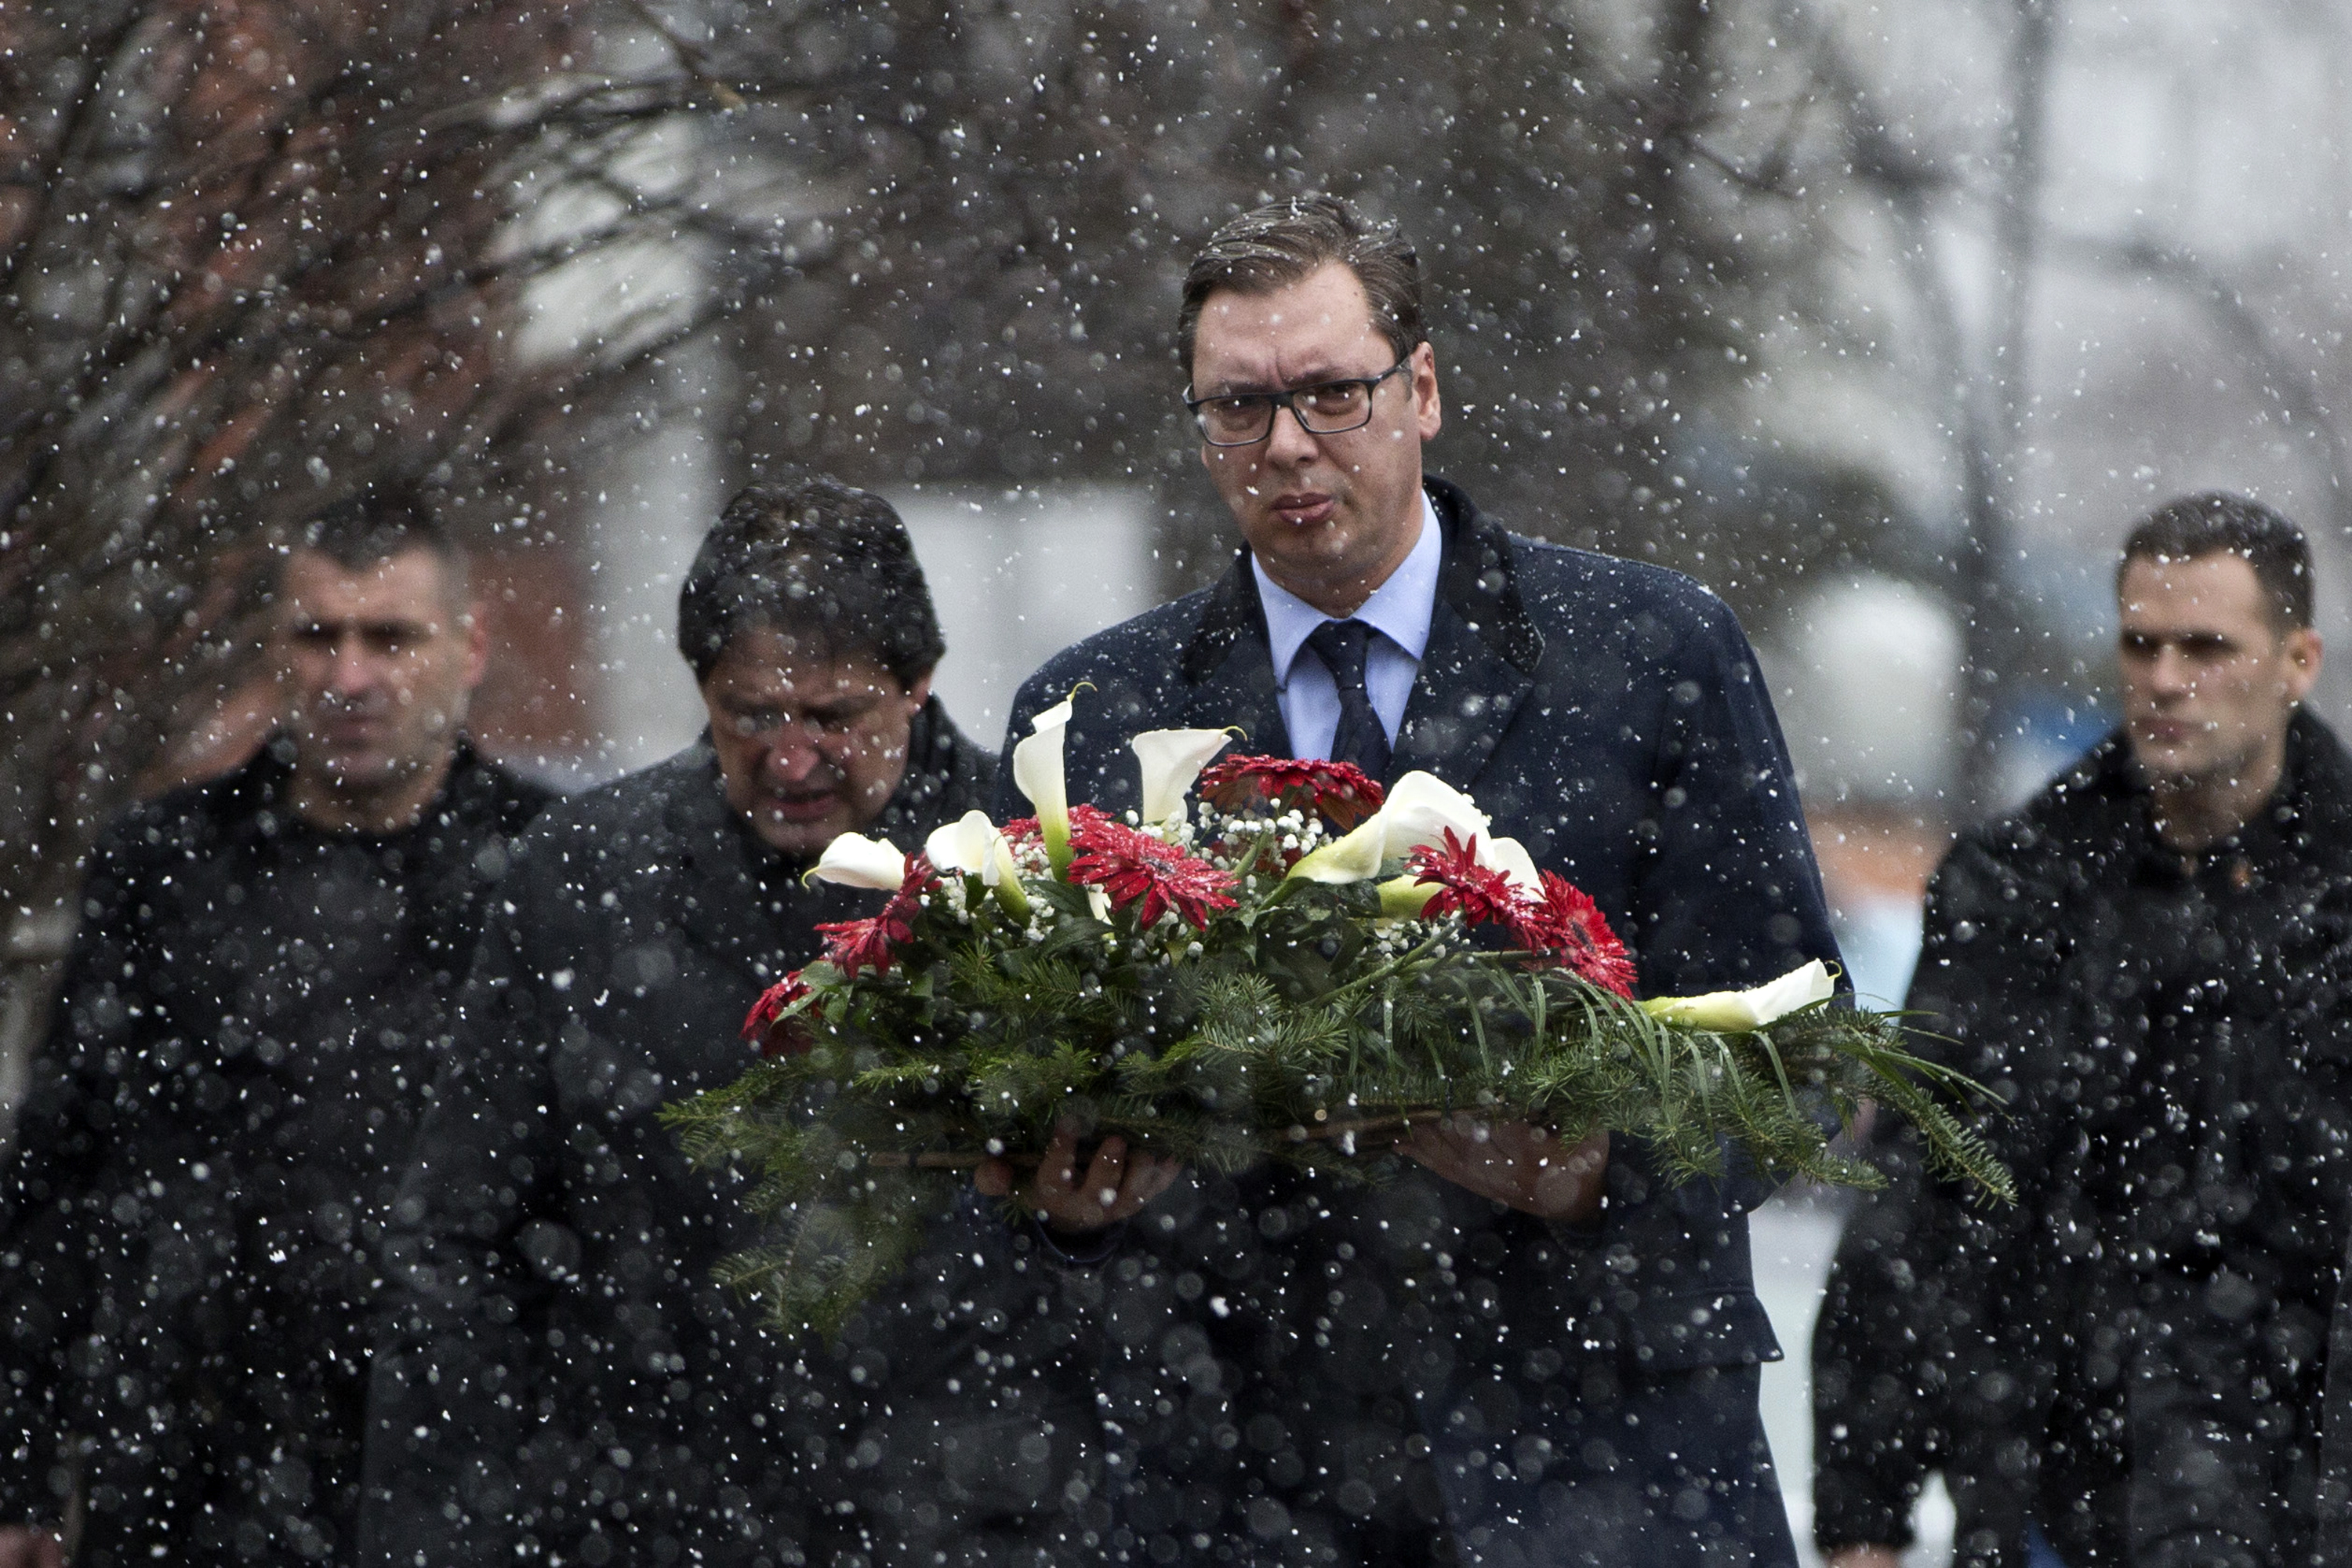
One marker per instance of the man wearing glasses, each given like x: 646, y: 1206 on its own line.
x: 1538, y: 1353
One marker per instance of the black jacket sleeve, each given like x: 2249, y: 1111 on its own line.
x: 1907, y: 1317
x: 1727, y: 892
x: 74, y: 1187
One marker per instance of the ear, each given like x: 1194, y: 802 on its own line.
x: 477, y: 641
x: 2305, y: 654
x: 1429, y: 409
x: 921, y: 692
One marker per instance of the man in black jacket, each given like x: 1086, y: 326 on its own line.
x: 1527, y: 1355
x: 561, y: 1374
x: 239, y: 1056
x: 2149, y: 963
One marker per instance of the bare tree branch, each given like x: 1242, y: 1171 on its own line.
x: 2293, y: 388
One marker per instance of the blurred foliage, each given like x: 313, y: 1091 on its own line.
x: 984, y: 212
x: 255, y: 257
x: 252, y: 258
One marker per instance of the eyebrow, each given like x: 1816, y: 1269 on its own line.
x: 2201, y: 637
x: 741, y: 699
x: 1318, y: 378
x: 311, y: 625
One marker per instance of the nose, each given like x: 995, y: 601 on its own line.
x: 792, y: 755
x: 2170, y: 674
x: 1288, y: 444
x: 353, y: 672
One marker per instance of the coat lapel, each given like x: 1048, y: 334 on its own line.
x: 1464, y: 699
x: 1229, y: 669
x: 717, y: 896
x: 1484, y: 649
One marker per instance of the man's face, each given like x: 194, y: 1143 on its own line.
x: 377, y: 665
x: 810, y: 749
x: 1329, y: 516
x: 2211, y: 679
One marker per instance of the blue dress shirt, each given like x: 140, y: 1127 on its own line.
x: 1399, y: 610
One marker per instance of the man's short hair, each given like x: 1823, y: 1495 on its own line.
x: 823, y: 563
x: 372, y: 526
x: 1276, y: 245
x: 2217, y: 523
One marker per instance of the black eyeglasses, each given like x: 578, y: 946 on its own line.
x: 1327, y: 408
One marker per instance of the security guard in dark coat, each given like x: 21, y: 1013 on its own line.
x: 2151, y: 962
x: 1478, y: 1362
x: 240, y: 1054
x: 562, y: 1374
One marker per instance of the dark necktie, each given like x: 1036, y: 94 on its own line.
x: 1361, y: 739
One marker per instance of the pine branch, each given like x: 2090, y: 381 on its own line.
x: 1305, y: 1035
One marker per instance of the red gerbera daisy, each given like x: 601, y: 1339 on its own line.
x: 1129, y: 866
x: 1481, y: 893
x: 854, y: 945
x: 766, y: 1026
x: 1341, y: 792
x: 1569, y: 927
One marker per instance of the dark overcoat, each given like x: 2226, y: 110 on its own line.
x: 240, y: 1054
x: 1299, y: 1370
x: 560, y: 1377
x: 2133, y: 1354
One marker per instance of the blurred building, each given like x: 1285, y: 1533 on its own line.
x: 1866, y: 676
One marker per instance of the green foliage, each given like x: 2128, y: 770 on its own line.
x: 1214, y: 1063
x: 1297, y: 1027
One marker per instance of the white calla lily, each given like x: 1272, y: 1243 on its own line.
x: 858, y: 862
x: 962, y: 844
x: 1037, y: 771
x: 1510, y: 856
x: 1420, y: 809
x: 1002, y: 875
x: 1355, y: 857
x: 975, y: 846
x: 1171, y: 760
x: 1403, y: 897
x: 1002, y: 869
x: 1730, y: 1012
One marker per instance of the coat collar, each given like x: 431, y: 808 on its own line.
x: 1484, y: 648
x: 259, y: 795
x: 2100, y: 807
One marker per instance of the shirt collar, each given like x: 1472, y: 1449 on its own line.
x: 1399, y: 609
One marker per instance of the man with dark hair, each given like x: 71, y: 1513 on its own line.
x: 2217, y: 523
x: 1536, y: 1353
x: 2151, y: 962
x: 561, y: 1371
x: 861, y: 614
x: 239, y: 1056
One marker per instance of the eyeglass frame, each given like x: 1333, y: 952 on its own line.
x: 1275, y: 402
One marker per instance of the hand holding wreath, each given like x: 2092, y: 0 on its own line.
x: 1118, y: 1181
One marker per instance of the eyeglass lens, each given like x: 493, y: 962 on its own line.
x: 1328, y: 410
